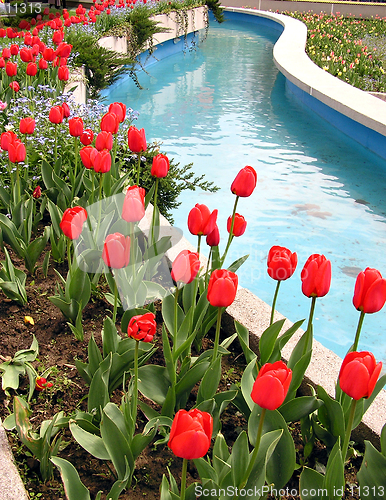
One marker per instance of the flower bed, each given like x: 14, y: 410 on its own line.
x: 126, y: 371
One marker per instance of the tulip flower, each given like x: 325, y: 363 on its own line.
x: 41, y: 384
x: 11, y: 68
x: 27, y: 125
x: 87, y: 155
x: 136, y: 139
x: 160, y: 166
x: 64, y: 49
x: 57, y: 37
x: 245, y: 182
x: 6, y: 53
x: 75, y: 126
x: 239, y: 225
x: 357, y: 378
x: 31, y: 69
x: 56, y: 114
x: 37, y: 193
x: 43, y: 64
x: 116, y: 251
x: 14, y: 86
x: 109, y: 123
x: 49, y: 54
x: 191, y: 434
x: 16, y: 152
x: 63, y: 73
x: 2, y: 62
x: 185, y: 267
x: 26, y: 55
x: 271, y: 385
x: 102, y: 161
x: 142, y: 327
x: 213, y: 238
x: 6, y: 139
x: 72, y: 222
x: 104, y: 140
x: 134, y: 204
x: 281, y: 264
x: 119, y: 109
x: 201, y: 221
x: 14, y: 50
x: 87, y: 137
x: 316, y: 276
x: 66, y: 110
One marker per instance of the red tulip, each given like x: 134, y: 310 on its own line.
x: 245, y: 182
x: 281, y: 263
x: 27, y: 125
x: 370, y: 291
x: 63, y: 73
x: 3, y: 33
x: 119, y: 110
x: 49, y: 54
x: 191, y: 434
x: 43, y: 64
x: 31, y: 69
x: 316, y: 276
x: 14, y: 86
x: 37, y: 193
x: 134, y: 204
x: 213, y: 238
x: 160, y: 166
x: 63, y: 50
x: 142, y: 327
x: 222, y: 288
x: 11, y: 68
x: 6, y: 53
x: 136, y: 139
x: 2, y: 62
x: 201, y: 221
x: 116, y: 251
x: 72, y: 222
x: 56, y: 114
x: 359, y: 374
x: 17, y: 152
x: 14, y: 50
x: 26, y: 55
x: 104, y: 140
x: 185, y: 267
x: 271, y: 385
x: 66, y: 110
x: 102, y: 161
x: 57, y: 37
x: 41, y: 384
x: 6, y: 139
x: 87, y: 137
x: 76, y: 126
x: 110, y: 123
x: 87, y: 155
x: 239, y: 225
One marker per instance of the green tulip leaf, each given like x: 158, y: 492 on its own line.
x: 372, y: 473
x: 239, y: 458
x: 334, y: 481
x: 243, y: 334
x: 299, y: 408
x: 210, y: 381
x: 311, y: 485
x: 331, y: 415
x: 268, y: 339
x: 90, y: 442
x: 73, y: 486
x: 247, y: 381
x: 153, y: 382
x: 205, y: 470
x: 110, y: 337
x: 220, y: 457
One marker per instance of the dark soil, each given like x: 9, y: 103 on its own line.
x: 58, y: 348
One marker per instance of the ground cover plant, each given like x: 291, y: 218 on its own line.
x: 141, y: 381
x: 352, y: 49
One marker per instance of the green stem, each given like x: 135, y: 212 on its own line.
x: 207, y: 268
x: 76, y: 147
x: 310, y: 318
x: 255, y: 451
x: 217, y: 337
x: 114, y: 152
x: 274, y: 302
x: 230, y: 232
x: 135, y: 391
x: 115, y: 301
x: 348, y: 429
x: 56, y: 142
x: 154, y: 210
x: 183, y: 478
x: 138, y: 168
x: 175, y: 315
x: 69, y: 256
x: 18, y: 183
x: 92, y: 185
x: 100, y: 190
x: 199, y: 244
x: 358, y: 332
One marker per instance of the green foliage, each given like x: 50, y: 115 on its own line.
x: 12, y: 281
x: 215, y: 7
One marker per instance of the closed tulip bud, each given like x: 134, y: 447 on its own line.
x: 57, y: 37
x: 6, y: 139
x: 222, y: 288
x: 271, y: 385
x: 6, y: 53
x: 72, y: 222
x: 213, y: 238
x: 2, y: 62
x: 43, y: 64
x: 370, y: 291
x: 185, y: 267
x: 119, y: 109
x: 27, y: 125
x: 201, y: 221
x: 17, y: 152
x: 87, y: 155
x: 31, y: 69
x: 14, y: 50
x: 66, y: 110
x: 134, y: 204
x: 110, y: 123
x: 11, y: 68
x: 75, y: 126
x: 87, y: 137
x: 191, y: 434
x: 49, y: 54
x: 37, y: 193
x: 26, y: 55
x: 64, y: 49
x: 102, y: 161
x: 3, y: 33
x: 142, y: 327
x: 116, y: 251
x: 359, y: 374
x: 160, y: 166
x: 14, y: 86
x: 239, y: 225
x: 63, y: 73
x: 245, y: 182
x: 136, y: 139
x: 281, y: 263
x: 104, y: 140
x: 56, y: 114
x: 316, y: 276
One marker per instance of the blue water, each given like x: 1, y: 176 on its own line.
x: 224, y: 106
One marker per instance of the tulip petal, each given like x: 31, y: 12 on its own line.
x: 375, y: 297
x: 354, y: 380
x: 190, y: 444
x: 268, y: 392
